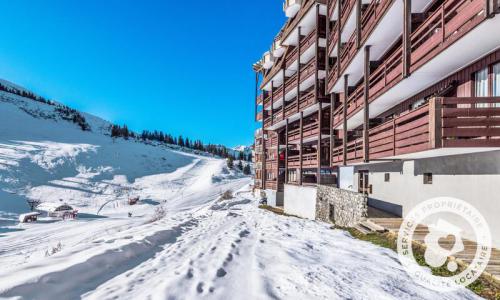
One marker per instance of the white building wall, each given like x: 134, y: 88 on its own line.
x: 300, y: 201
x: 474, y: 179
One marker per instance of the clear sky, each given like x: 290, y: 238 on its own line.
x: 183, y: 67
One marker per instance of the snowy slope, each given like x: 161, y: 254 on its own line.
x: 195, y: 246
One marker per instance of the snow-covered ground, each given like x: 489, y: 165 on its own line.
x: 200, y: 247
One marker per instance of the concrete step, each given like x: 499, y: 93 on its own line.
x: 362, y: 229
x: 372, y: 226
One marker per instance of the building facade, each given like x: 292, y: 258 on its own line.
x: 376, y: 96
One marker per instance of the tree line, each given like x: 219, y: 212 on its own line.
x: 181, y: 141
x: 25, y: 94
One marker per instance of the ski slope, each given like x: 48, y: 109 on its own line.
x: 200, y: 247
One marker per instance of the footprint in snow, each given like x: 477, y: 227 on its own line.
x: 221, y: 272
x: 199, y: 287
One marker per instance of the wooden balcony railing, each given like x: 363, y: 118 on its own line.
x: 307, y: 100
x: 292, y: 56
x: 267, y: 101
x: 308, y: 41
x: 348, y: 52
x: 331, y: 7
x: 355, y: 99
x: 309, y: 160
x: 354, y: 152
x: 278, y: 116
x: 291, y: 108
x: 387, y: 74
x: 332, y: 39
x: 259, y: 116
x: 452, y: 20
x: 271, y: 184
x: 260, y: 99
x: 447, y: 24
x: 371, y: 16
x: 470, y: 122
x: 291, y: 83
x: 308, y: 131
x: 346, y: 8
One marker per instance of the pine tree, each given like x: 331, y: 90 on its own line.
x: 240, y: 166
x: 230, y: 162
x: 246, y: 169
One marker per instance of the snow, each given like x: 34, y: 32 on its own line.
x: 196, y: 246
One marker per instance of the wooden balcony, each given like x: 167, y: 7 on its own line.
x: 332, y: 39
x: 346, y: 8
x: 354, y: 153
x: 348, y: 52
x: 272, y: 141
x: 259, y: 116
x: 292, y: 56
x: 271, y: 184
x: 447, y: 24
x: 451, y: 21
x: 470, y: 122
x: 278, y: 116
x: 309, y: 130
x: 309, y: 160
x: 331, y: 7
x: 371, y: 16
x: 388, y: 74
x: 291, y: 108
x: 291, y: 83
x: 442, y: 123
x: 260, y: 99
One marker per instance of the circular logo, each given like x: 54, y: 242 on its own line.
x: 444, y: 227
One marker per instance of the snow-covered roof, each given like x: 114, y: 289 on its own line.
x: 53, y: 206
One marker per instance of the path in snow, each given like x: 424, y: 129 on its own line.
x: 205, y: 248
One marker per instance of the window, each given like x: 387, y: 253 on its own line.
x: 387, y: 177
x: 481, y: 83
x: 427, y: 178
x: 496, y: 80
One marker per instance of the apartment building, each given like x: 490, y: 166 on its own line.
x: 398, y: 100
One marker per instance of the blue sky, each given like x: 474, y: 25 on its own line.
x: 183, y: 67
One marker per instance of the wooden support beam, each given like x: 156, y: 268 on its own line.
x: 320, y: 114
x: 283, y: 90
x: 316, y: 56
x: 366, y: 107
x: 299, y: 30
x: 332, y: 131
x: 339, y: 39
x: 272, y: 102
x: 257, y: 95
x: 407, y: 38
x: 435, y: 123
x: 286, y: 151
x: 327, y: 56
x: 301, y: 145
x: 344, y: 117
x: 358, y: 24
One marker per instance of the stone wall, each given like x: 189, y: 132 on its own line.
x: 349, y: 208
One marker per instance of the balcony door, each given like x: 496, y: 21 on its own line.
x: 496, y: 80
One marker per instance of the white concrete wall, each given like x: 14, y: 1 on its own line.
x: 300, y: 201
x: 346, y: 178
x: 458, y: 179
x: 274, y: 198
